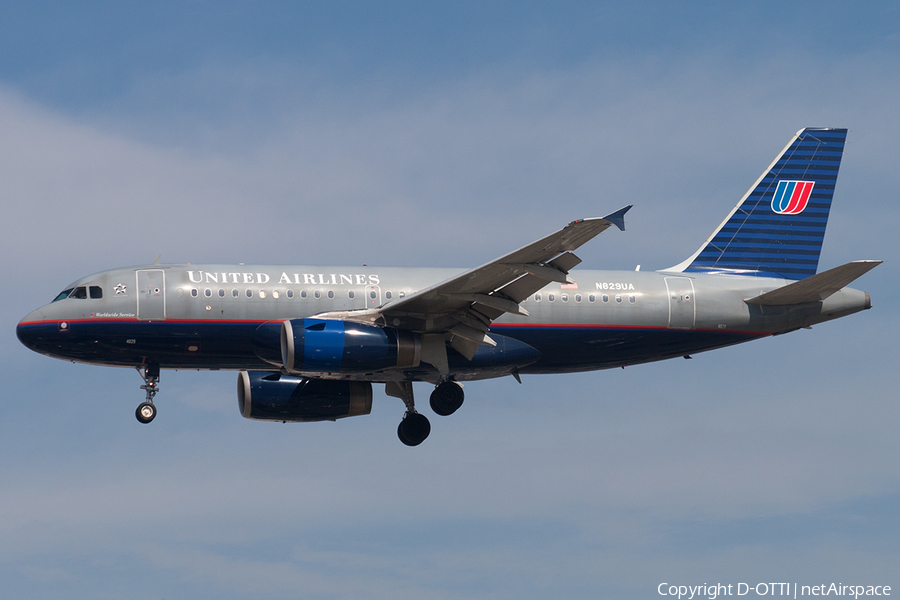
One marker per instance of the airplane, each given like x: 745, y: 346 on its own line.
x: 309, y: 342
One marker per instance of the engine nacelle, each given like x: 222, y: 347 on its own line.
x: 335, y: 346
x: 268, y: 396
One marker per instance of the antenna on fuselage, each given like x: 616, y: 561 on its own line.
x: 158, y: 258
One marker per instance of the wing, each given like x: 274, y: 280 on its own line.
x: 462, y: 308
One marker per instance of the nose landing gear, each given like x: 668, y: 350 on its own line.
x: 146, y: 411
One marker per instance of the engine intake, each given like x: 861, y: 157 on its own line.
x: 335, y: 346
x: 268, y: 396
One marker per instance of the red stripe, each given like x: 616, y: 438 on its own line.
x: 495, y: 326
x: 135, y: 320
x: 807, y: 191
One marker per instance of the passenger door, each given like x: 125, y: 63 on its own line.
x: 151, y: 294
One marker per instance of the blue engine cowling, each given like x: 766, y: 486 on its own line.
x: 268, y: 396
x: 335, y: 346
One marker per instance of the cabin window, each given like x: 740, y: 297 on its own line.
x: 592, y: 298
x: 276, y: 294
x: 235, y: 293
x: 401, y: 294
x: 537, y: 297
x: 372, y: 294
x: 207, y: 292
x: 631, y: 298
x: 605, y: 298
x: 577, y: 297
x: 194, y: 293
x: 388, y: 295
x: 351, y: 295
x: 564, y: 297
x: 262, y: 293
x: 619, y: 298
x: 221, y: 293
x: 317, y: 294
x: 249, y: 293
x: 290, y: 294
x: 303, y: 294
x: 96, y: 291
x: 331, y: 294
x: 551, y: 297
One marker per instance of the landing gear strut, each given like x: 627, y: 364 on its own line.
x: 146, y: 411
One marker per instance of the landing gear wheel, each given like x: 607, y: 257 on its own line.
x: 447, y: 398
x: 145, y: 412
x: 413, y: 429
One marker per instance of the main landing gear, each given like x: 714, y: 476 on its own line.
x: 446, y: 398
x: 413, y: 429
x: 146, y: 411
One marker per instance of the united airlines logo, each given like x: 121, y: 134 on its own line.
x: 791, y: 197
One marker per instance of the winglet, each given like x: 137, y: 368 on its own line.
x: 618, y: 218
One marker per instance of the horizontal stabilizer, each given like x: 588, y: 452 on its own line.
x: 815, y: 288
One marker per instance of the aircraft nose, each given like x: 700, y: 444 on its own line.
x: 26, y: 330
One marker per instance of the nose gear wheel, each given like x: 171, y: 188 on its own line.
x: 146, y: 412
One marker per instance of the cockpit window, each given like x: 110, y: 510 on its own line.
x: 81, y: 292
x: 63, y: 294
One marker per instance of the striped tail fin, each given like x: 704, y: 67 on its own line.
x: 777, y: 228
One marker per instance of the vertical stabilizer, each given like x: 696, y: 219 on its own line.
x: 777, y: 228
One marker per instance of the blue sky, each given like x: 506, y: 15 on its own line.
x: 443, y: 134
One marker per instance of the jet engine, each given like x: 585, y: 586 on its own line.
x: 335, y: 346
x: 268, y: 396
